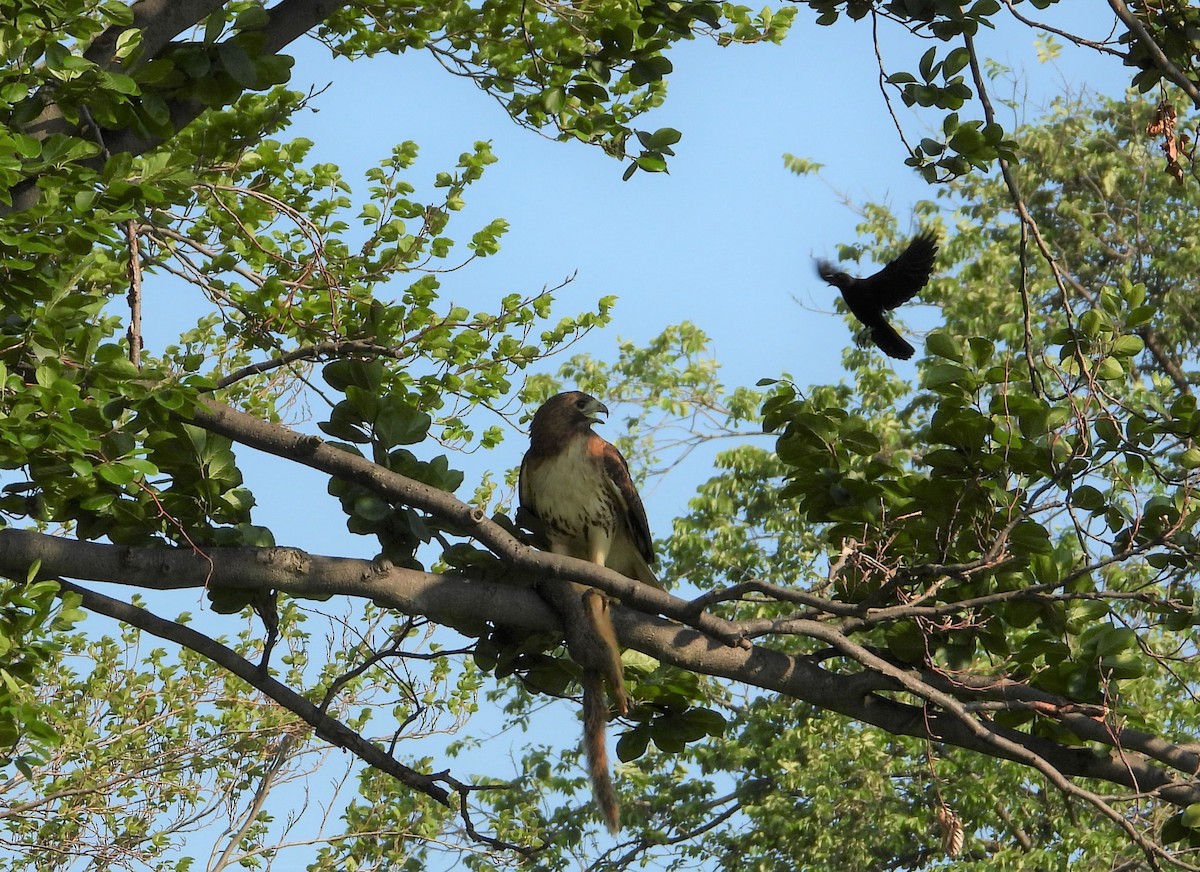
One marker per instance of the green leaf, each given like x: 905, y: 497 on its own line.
x: 1110, y: 369
x: 943, y: 345
x: 955, y: 61
x: 213, y: 27
x: 664, y: 137
x: 925, y: 65
x: 1128, y: 346
x: 982, y: 350
x: 399, y: 424
x: 1124, y: 666
x: 253, y: 17
x: 341, y: 374
x: 344, y: 430
x: 236, y: 62
x: 371, y: 508
x: 947, y: 378
x: 116, y: 473
x: 1088, y: 498
x: 1109, y: 640
x: 554, y: 99
x: 633, y: 744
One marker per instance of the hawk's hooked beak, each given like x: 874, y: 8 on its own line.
x: 594, y: 410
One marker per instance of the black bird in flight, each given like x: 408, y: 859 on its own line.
x: 896, y: 283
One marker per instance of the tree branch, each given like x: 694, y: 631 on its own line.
x: 326, y: 727
x: 856, y: 696
x: 447, y: 599
x: 1155, y: 51
x: 161, y: 21
x: 265, y: 783
x: 1101, y: 47
x: 455, y: 601
x: 291, y: 19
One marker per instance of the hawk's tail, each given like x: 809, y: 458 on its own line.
x: 595, y: 719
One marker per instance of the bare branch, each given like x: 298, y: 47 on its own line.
x: 135, y: 295
x: 265, y: 783
x: 1102, y: 47
x: 328, y: 728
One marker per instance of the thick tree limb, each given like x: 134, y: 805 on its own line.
x: 447, y: 599
x: 456, y: 601
x: 161, y: 21
x: 291, y: 19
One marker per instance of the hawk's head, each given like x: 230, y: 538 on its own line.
x: 568, y: 412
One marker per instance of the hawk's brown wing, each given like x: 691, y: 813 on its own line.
x: 617, y: 471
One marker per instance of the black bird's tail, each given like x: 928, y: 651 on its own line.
x: 890, y: 342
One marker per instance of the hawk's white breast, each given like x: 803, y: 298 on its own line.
x: 571, y: 495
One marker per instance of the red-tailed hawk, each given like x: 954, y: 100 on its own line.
x: 896, y: 283
x: 578, y: 488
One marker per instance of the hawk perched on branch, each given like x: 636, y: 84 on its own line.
x: 896, y: 283
x: 578, y: 488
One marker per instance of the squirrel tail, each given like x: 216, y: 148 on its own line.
x: 595, y: 719
x: 604, y: 651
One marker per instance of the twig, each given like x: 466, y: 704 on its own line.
x: 1102, y: 47
x: 282, y: 754
x: 1028, y: 225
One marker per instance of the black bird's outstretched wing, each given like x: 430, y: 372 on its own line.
x: 899, y: 281
x: 896, y: 283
